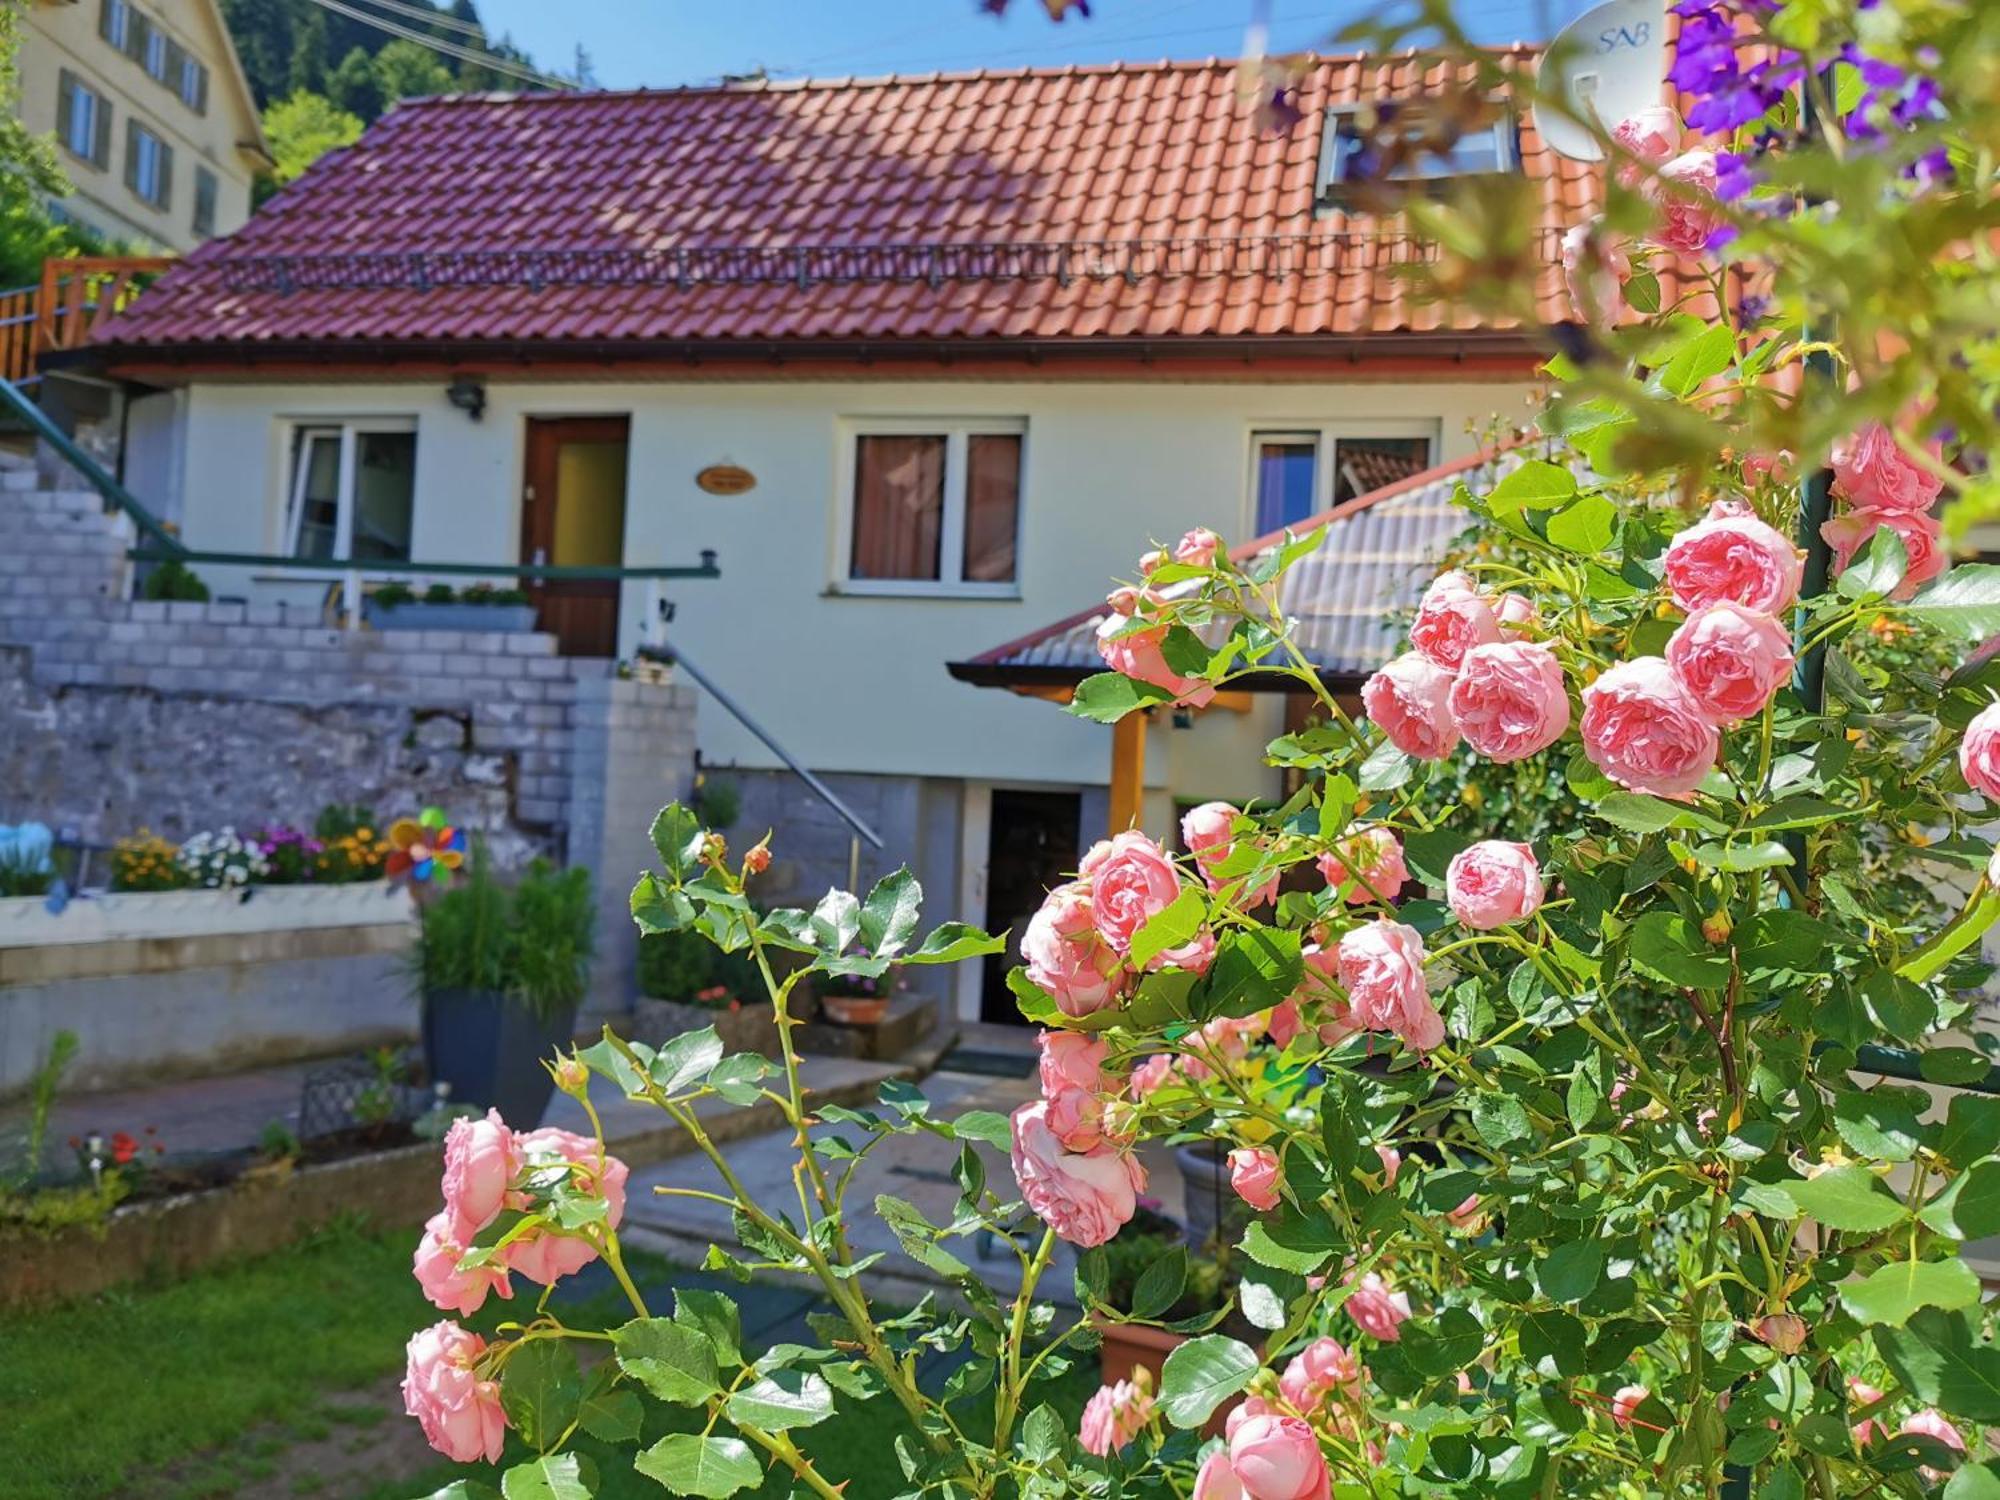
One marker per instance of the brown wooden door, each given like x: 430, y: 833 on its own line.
x: 573, y: 515
x: 1031, y: 847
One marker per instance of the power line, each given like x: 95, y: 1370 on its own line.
x: 497, y: 64
x: 932, y: 28
x: 428, y: 16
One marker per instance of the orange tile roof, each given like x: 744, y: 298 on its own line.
x: 1121, y: 202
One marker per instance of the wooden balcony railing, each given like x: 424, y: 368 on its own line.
x: 76, y: 294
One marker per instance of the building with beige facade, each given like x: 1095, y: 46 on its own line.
x: 152, y: 117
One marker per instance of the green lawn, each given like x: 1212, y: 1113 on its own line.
x: 214, y: 1377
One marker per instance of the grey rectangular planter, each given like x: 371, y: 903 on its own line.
x: 508, y: 619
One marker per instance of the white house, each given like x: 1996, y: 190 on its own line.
x: 925, y: 361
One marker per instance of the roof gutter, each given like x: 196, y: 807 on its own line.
x: 990, y: 674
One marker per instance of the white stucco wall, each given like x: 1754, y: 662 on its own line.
x: 850, y: 683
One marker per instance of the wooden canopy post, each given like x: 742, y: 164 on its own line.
x: 1128, y: 772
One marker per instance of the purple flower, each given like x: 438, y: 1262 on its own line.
x: 1733, y: 177
x: 1750, y: 310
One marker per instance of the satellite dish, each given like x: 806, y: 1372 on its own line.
x: 1610, y: 60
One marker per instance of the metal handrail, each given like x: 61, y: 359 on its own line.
x: 114, y: 494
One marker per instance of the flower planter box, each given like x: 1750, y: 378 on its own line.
x: 509, y: 619
x: 158, y: 985
x: 749, y: 1028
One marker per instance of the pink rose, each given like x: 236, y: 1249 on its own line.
x: 1872, y: 472
x: 1152, y: 562
x: 1071, y: 1061
x: 1595, y: 270
x: 460, y: 1413
x: 1377, y: 1308
x: 1285, y: 1023
x: 1209, y: 833
x: 1277, y: 1458
x: 1492, y: 883
x: 1509, y: 700
x: 1198, y: 548
x: 1215, y: 1480
x: 1316, y: 1372
x: 1382, y: 968
x: 552, y: 1158
x: 1085, y: 1196
x: 1861, y: 1393
x: 1517, y: 614
x: 1642, y: 729
x: 1689, y: 218
x: 1372, y: 860
x: 1195, y: 955
x: 1979, y: 752
x: 481, y: 1159
x: 1152, y: 1074
x: 1077, y: 1119
x: 1452, y: 618
x: 437, y: 1272
x: 1466, y: 1215
x: 1922, y: 537
x: 1628, y: 1400
x: 1930, y: 1423
x: 1243, y: 1411
x: 1253, y: 1172
x: 1113, y: 1417
x: 1411, y: 699
x: 1785, y: 1332
x: 1065, y: 955
x: 1733, y: 558
x: 1392, y: 1163
x: 1652, y: 134
x: 1731, y: 660
x: 1136, y: 653
x: 1131, y: 882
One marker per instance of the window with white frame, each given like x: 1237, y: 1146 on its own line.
x: 1296, y: 472
x: 1401, y: 149
x: 351, y: 490
x: 932, y: 506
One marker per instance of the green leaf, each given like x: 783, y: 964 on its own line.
x: 918, y: 1237
x: 658, y: 907
x: 1939, y: 1358
x: 1971, y: 1129
x: 1736, y: 858
x: 781, y: 1400
x: 1443, y: 1345
x: 556, y: 1476
x: 1569, y: 1273
x: 1975, y: 1482
x: 540, y: 1391
x: 1557, y: 1336
x: 1668, y: 946
x: 678, y: 836
x: 1294, y: 1253
x: 1536, y: 485
x: 1160, y: 1285
x: 607, y: 1061
x: 1976, y: 1208
x: 1879, y: 568
x: 985, y: 1125
x: 686, y: 1060
x: 1980, y: 912
x: 1642, y: 814
x: 889, y: 915
x: 464, y: 1489
x: 1585, y: 526
x: 836, y: 921
x: 711, y: 1467
x: 1201, y: 1374
x: 1964, y: 602
x: 1953, y: 1065
x: 673, y: 1362
x: 1701, y: 358
x: 736, y: 1077
x: 610, y: 1416
x: 1174, y: 924
x: 1108, y: 696
x: 1385, y: 769
x: 949, y: 942
x: 1892, y: 1293
x: 713, y: 1317
x: 1500, y: 1119
x: 1846, y: 1198
x: 1254, y: 969
x: 1881, y: 1123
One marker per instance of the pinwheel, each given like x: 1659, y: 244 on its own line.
x: 426, y: 847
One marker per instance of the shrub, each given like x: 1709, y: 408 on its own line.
x: 172, y: 580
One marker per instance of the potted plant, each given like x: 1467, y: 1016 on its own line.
x: 686, y: 983
x: 1148, y: 1271
x: 397, y: 606
x: 502, y: 971
x: 856, y: 999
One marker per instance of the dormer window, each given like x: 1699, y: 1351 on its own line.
x: 1405, y: 142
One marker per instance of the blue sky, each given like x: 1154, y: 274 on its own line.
x: 661, y: 42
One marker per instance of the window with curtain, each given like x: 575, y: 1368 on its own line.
x: 352, y: 491
x: 1300, y: 472
x: 935, y: 508
x: 1287, y: 478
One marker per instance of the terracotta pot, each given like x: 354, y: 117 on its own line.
x: 1131, y: 1346
x: 855, y: 1010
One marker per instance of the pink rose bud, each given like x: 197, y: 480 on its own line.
x: 1372, y: 860
x: 1872, y: 472
x: 1689, y: 218
x: 1392, y: 1163
x: 481, y: 1159
x: 757, y: 860
x: 1930, y: 1423
x: 1493, y: 883
x: 1628, y: 1400
x: 1137, y: 653
x: 1642, y: 729
x: 1378, y: 1309
x: 1151, y: 1074
x: 1253, y: 1172
x: 1066, y: 956
x: 1466, y: 1214
x: 444, y: 1285
x: 1077, y: 1118
x: 1114, y: 1416
x: 1979, y: 752
x: 1509, y: 700
x: 1381, y: 966
x: 1070, y: 1060
x: 1861, y: 1393
x: 1285, y: 1023
x: 1215, y: 1480
x: 1085, y: 1196
x: 551, y: 1158
x: 1652, y: 134
x: 1517, y: 614
x: 1278, y: 1458
x: 1131, y: 882
x: 1197, y: 549
x: 1452, y: 618
x: 1784, y: 1332
x: 1921, y: 535
x: 1733, y: 558
x: 1731, y: 660
x: 459, y: 1412
x: 1152, y: 562
x: 572, y: 1077
x: 1411, y: 700
x: 1316, y: 1372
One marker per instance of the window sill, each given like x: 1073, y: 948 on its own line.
x: 883, y: 588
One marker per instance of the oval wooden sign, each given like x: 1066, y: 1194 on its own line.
x: 726, y: 479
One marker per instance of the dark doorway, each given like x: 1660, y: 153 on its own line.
x: 573, y: 515
x: 1030, y: 847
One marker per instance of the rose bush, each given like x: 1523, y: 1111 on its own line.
x: 1633, y: 1155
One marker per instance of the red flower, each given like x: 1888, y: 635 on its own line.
x: 123, y: 1148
